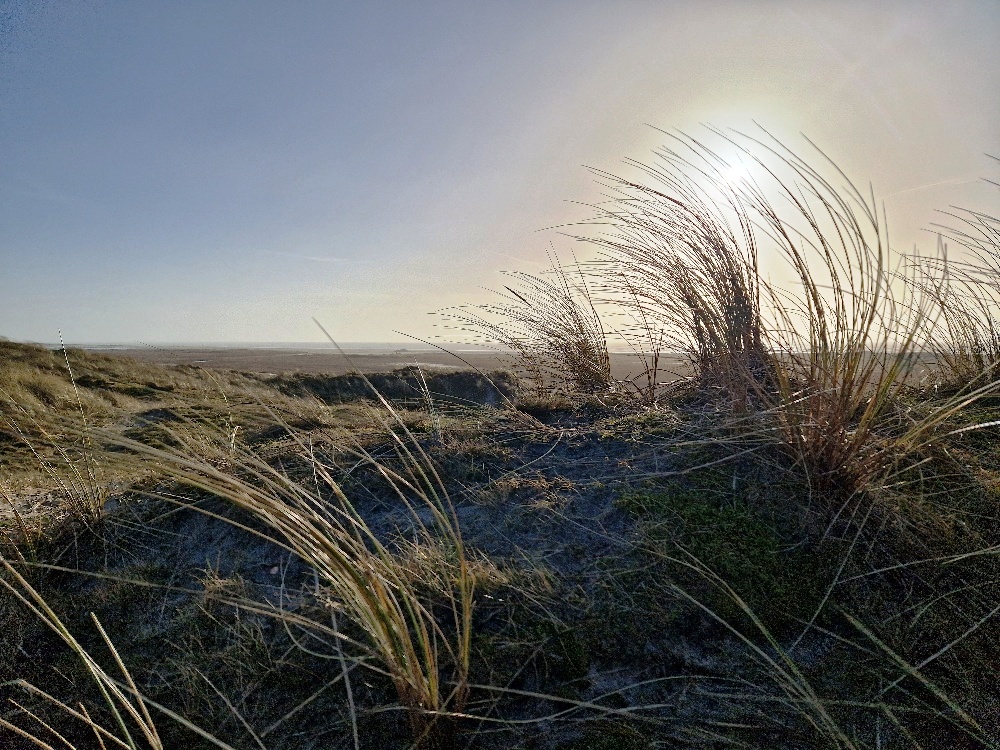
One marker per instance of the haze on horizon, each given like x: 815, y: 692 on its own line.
x: 226, y: 172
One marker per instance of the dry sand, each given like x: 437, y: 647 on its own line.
x: 275, y: 360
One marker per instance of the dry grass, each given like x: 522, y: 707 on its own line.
x: 967, y: 347
x: 550, y: 324
x: 825, y: 357
x: 133, y: 727
x: 361, y: 577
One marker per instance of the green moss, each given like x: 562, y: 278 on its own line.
x: 609, y: 735
x: 711, y: 524
x: 643, y: 425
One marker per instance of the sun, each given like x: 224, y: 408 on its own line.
x: 736, y: 175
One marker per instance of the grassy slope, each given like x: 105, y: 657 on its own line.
x: 630, y: 596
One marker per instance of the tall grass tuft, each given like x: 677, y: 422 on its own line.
x: 551, y: 325
x: 825, y: 352
x: 680, y: 259
x: 846, y: 338
x: 73, y: 469
x: 362, y: 578
x: 967, y: 347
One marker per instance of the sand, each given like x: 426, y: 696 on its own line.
x: 275, y: 360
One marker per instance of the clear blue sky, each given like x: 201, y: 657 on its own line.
x: 224, y: 171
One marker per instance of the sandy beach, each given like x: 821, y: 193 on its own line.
x: 314, y: 360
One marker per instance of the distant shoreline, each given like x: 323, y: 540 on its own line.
x: 372, y: 347
x: 348, y: 346
x: 316, y: 359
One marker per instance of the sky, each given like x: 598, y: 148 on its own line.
x: 228, y: 171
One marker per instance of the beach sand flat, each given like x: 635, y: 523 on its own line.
x: 275, y: 360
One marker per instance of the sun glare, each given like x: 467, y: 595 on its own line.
x: 736, y: 175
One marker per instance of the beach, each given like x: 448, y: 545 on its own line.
x: 370, y: 359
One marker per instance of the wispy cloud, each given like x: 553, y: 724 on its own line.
x: 318, y: 258
x: 929, y: 185
x: 525, y: 261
